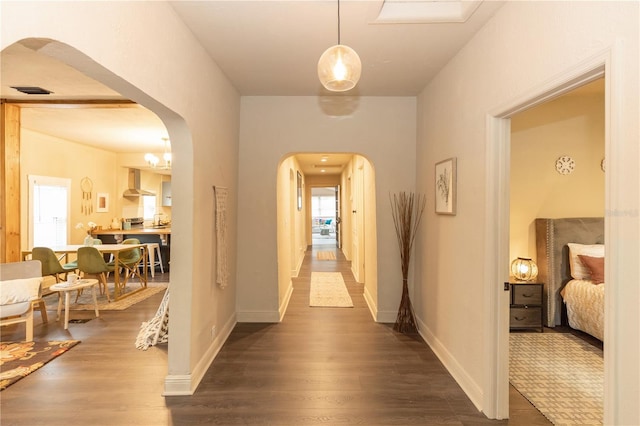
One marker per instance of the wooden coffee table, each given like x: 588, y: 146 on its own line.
x: 67, y: 289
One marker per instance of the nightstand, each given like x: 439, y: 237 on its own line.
x: 525, y: 309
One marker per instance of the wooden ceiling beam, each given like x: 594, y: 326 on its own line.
x: 71, y: 103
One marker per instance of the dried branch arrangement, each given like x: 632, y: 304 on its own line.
x: 406, y: 210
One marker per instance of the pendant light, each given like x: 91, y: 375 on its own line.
x: 153, y: 161
x: 339, y: 66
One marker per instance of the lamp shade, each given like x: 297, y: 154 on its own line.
x: 339, y: 68
x: 524, y: 269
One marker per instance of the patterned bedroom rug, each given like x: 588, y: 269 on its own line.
x: 326, y: 255
x: 560, y: 374
x: 19, y: 359
x: 85, y: 302
x: 328, y: 290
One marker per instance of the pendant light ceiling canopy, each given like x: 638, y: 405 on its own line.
x: 339, y: 66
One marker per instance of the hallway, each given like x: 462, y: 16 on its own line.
x: 327, y: 366
x: 330, y: 366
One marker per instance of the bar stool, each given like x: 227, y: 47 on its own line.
x: 154, y: 248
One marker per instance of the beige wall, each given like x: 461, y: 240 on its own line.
x: 376, y: 289
x: 44, y: 155
x: 290, y: 230
x: 572, y: 125
x: 504, y: 64
x: 75, y: 161
x: 105, y: 40
x: 382, y: 129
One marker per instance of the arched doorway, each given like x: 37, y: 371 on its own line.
x: 352, y: 179
x: 110, y: 90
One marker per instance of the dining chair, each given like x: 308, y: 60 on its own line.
x: 50, y: 266
x: 91, y: 262
x: 129, y: 260
x: 74, y: 263
x: 50, y: 263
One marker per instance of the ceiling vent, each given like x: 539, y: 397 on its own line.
x: 32, y: 90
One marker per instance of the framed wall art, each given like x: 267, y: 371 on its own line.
x: 102, y: 202
x: 445, y: 186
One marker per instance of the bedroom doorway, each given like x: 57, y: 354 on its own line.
x: 556, y: 150
x: 497, y: 248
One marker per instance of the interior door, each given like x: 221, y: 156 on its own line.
x: 338, y: 220
x: 357, y: 223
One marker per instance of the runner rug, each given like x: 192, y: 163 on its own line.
x: 85, y: 301
x: 328, y: 290
x: 326, y: 255
x: 560, y: 374
x: 19, y: 359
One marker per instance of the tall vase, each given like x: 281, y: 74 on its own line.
x: 405, y: 321
x: 88, y: 240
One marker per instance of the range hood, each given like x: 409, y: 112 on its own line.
x: 134, y: 185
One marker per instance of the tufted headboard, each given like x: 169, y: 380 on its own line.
x: 552, y: 237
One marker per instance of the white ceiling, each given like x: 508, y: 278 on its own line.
x: 273, y: 47
x: 264, y: 47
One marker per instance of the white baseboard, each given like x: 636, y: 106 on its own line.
x: 373, y: 309
x: 378, y: 316
x: 177, y: 384
x: 468, y: 385
x: 186, y: 384
x: 258, y: 316
x: 285, y: 302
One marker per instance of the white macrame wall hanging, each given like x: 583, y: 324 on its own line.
x: 222, y: 271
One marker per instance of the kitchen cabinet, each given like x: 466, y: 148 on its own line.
x: 166, y: 194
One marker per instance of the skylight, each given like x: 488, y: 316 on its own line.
x: 426, y: 11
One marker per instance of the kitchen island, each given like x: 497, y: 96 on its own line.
x: 160, y: 235
x: 133, y: 231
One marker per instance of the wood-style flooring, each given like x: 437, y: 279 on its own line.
x: 320, y: 366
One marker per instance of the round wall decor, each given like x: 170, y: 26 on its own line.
x: 565, y: 165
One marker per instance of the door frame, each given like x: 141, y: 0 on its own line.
x: 338, y: 218
x: 498, y: 140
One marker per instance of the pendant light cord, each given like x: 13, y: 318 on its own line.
x: 338, y: 21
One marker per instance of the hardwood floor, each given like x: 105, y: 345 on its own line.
x: 330, y: 366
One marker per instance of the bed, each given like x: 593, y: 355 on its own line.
x: 578, y: 303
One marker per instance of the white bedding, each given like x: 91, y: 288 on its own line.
x: 585, y: 306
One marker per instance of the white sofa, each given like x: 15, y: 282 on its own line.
x: 20, y: 286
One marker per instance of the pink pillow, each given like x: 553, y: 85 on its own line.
x: 595, y: 266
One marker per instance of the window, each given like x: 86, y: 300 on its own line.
x: 149, y: 207
x: 49, y: 205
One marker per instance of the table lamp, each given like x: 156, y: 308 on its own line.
x: 524, y: 269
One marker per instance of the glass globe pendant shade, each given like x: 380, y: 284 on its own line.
x: 339, y: 68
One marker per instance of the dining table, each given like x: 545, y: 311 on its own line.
x: 66, y: 253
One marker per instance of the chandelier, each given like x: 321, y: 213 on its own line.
x: 339, y: 66
x: 153, y: 161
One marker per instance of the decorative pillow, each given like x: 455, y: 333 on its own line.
x: 596, y: 266
x: 20, y: 290
x: 578, y: 270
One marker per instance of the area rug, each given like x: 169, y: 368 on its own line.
x: 19, y: 359
x: 85, y: 302
x: 560, y: 374
x: 326, y: 255
x: 328, y: 290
